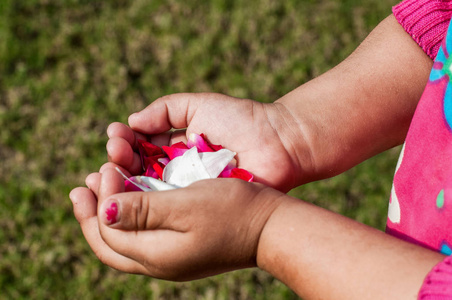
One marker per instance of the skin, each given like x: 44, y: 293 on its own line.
x: 178, y: 235
x: 318, y: 130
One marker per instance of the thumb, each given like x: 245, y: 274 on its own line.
x: 172, y: 111
x: 136, y: 211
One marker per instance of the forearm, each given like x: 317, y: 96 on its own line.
x: 323, y: 255
x: 361, y: 107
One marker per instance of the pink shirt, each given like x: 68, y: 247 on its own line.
x: 420, y: 209
x: 426, y: 21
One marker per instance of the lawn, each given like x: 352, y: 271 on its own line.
x: 69, y: 68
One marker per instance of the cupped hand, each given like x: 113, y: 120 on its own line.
x: 210, y: 227
x: 264, y: 136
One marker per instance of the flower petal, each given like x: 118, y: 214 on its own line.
x: 144, y: 183
x: 148, y: 149
x: 153, y: 166
x: 226, y: 173
x: 155, y: 184
x: 131, y: 186
x: 213, y: 146
x: 133, y: 180
x: 164, y: 161
x: 186, y: 169
x: 216, y: 162
x: 200, y: 142
x: 150, y: 172
x: 175, y: 150
x: 241, y: 174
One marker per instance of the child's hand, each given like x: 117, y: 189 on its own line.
x: 265, y: 136
x: 210, y: 227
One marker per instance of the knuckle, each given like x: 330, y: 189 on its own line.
x: 169, y: 97
x: 163, y: 98
x: 138, y: 210
x: 142, y: 213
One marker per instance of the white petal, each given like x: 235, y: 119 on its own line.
x: 215, y: 162
x: 186, y: 169
x: 147, y: 184
x: 156, y: 184
x: 132, y: 180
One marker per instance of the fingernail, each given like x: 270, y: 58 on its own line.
x: 71, y: 196
x: 112, y: 214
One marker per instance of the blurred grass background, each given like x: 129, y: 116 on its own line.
x: 69, y: 68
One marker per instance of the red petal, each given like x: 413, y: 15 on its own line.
x: 213, y: 146
x: 148, y: 149
x: 175, y: 150
x: 149, y: 161
x: 241, y: 174
x: 152, y: 167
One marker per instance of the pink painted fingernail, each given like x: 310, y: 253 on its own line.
x: 112, y: 212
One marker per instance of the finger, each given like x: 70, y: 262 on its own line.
x: 111, y: 183
x: 110, y: 165
x: 172, y: 111
x: 139, y: 211
x: 178, y: 136
x: 121, y: 153
x: 121, y: 130
x: 143, y: 227
x: 84, y: 203
x: 168, y: 138
x: 85, y: 211
x: 92, y: 181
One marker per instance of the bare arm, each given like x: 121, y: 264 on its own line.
x: 324, y: 127
x: 361, y: 107
x: 215, y: 226
x: 323, y: 255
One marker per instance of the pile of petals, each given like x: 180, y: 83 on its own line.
x: 179, y: 165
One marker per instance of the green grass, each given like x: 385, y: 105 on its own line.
x: 69, y: 68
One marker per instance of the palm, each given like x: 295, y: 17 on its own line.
x: 247, y: 127
x: 243, y: 126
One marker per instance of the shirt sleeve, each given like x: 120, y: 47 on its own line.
x: 426, y: 21
x: 438, y: 283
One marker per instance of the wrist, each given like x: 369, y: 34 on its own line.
x: 281, y: 246
x: 294, y: 137
x: 302, y: 129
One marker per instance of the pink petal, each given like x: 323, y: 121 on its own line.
x: 213, y: 146
x: 226, y: 173
x: 200, y: 142
x: 175, y: 150
x: 133, y: 184
x: 150, y: 172
x: 130, y: 187
x: 164, y: 161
